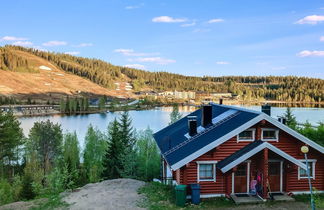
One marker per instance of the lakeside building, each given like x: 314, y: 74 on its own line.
x: 232, y: 151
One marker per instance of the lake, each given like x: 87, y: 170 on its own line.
x: 156, y: 119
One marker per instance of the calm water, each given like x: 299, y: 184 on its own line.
x: 155, y: 119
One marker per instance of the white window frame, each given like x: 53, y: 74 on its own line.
x: 310, y: 161
x: 270, y: 129
x: 253, y: 135
x: 214, y: 171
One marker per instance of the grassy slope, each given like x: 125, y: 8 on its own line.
x: 43, y: 82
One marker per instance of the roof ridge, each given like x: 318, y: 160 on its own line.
x: 237, y: 108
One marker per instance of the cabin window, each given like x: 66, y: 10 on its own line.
x: 270, y: 134
x: 302, y: 173
x: 247, y: 135
x: 206, y: 170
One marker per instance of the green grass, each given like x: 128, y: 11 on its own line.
x: 318, y: 198
x: 159, y: 196
x: 53, y: 201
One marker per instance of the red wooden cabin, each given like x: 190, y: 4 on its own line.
x: 225, y: 148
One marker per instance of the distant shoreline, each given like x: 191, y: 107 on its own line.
x: 132, y: 108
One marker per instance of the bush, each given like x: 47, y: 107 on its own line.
x: 16, y: 188
x: 5, y: 192
x: 57, y: 181
x: 27, y: 191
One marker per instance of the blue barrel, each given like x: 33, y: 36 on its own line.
x: 195, y: 193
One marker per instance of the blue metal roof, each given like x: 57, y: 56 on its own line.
x: 170, y: 137
x: 238, y: 154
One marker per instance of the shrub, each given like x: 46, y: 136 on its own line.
x: 5, y: 192
x: 27, y: 191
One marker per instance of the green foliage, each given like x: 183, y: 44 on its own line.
x: 11, y: 137
x: 290, y: 118
x: 5, y: 192
x: 53, y: 201
x: 60, y: 179
x: 175, y: 114
x: 288, y: 88
x: 114, y: 152
x: 95, y: 146
x: 74, y: 105
x: 102, y: 103
x: 46, y: 138
x: 314, y: 133
x: 159, y: 196
x: 34, y: 170
x: 148, y: 156
x: 71, y: 158
x: 27, y: 191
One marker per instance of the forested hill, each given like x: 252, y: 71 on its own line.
x: 286, y: 88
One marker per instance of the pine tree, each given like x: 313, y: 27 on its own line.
x: 128, y: 141
x: 290, y: 118
x: 114, y: 152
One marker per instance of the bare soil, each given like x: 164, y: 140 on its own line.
x: 110, y: 194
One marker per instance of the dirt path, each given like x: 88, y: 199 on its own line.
x: 110, y: 194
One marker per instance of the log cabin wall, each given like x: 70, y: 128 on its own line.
x: 286, y: 143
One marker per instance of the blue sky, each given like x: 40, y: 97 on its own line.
x: 191, y: 37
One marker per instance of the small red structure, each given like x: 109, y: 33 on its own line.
x: 230, y: 150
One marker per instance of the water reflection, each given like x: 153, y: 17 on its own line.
x: 156, y: 119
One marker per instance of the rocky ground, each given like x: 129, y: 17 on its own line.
x: 110, y: 194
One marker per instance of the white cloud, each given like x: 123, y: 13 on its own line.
x: 72, y: 53
x: 12, y: 38
x: 311, y: 19
x: 54, y: 43
x: 131, y: 52
x: 23, y: 43
x: 134, y: 6
x: 222, y: 63
x: 189, y: 24
x: 157, y: 60
x: 135, y: 66
x: 168, y: 19
x: 39, y: 48
x: 83, y: 45
x: 322, y: 38
x: 217, y: 20
x: 308, y: 53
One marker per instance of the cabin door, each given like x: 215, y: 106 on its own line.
x: 275, y: 176
x: 241, y: 178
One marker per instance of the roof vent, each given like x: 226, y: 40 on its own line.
x: 192, y: 125
x: 266, y: 109
x: 206, y: 116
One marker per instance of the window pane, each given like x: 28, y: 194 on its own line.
x: 303, y: 172
x: 269, y: 134
x: 246, y: 135
x: 206, y: 171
